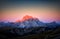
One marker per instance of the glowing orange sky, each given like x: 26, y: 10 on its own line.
x: 45, y: 14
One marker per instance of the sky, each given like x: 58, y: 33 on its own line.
x: 45, y: 11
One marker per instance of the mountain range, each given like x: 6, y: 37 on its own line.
x: 27, y: 22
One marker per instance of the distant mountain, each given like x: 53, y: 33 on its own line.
x: 29, y: 21
x: 52, y: 24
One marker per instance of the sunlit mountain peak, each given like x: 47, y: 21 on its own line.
x: 26, y: 17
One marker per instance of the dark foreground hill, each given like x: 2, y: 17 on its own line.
x: 30, y: 33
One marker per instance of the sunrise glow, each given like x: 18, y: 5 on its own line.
x: 45, y: 13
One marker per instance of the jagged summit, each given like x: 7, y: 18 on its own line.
x: 26, y: 17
